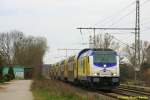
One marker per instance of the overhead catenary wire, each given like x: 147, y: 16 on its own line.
x: 122, y: 42
x: 121, y: 18
x: 147, y: 22
x: 112, y: 16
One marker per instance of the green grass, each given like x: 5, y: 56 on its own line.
x: 56, y: 90
x: 46, y: 95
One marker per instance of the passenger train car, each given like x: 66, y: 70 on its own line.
x: 97, y: 68
x: 63, y: 70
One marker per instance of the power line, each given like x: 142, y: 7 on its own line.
x: 94, y: 28
x: 122, y: 18
x: 148, y: 22
x: 122, y: 10
x: 122, y: 42
x: 127, y: 14
x: 66, y: 50
x: 111, y: 17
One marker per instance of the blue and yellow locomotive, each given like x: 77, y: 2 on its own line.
x: 97, y: 68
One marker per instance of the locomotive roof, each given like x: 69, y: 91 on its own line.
x: 93, y: 49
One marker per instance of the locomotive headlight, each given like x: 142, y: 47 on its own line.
x: 114, y: 74
x: 105, y: 66
x: 95, y: 74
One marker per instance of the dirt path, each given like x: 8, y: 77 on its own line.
x: 16, y: 90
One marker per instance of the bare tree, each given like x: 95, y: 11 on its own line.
x: 30, y: 52
x: 130, y: 54
x: 7, y: 41
x: 15, y: 48
x: 106, y: 41
x: 143, y: 54
x: 31, y: 49
x: 148, y: 54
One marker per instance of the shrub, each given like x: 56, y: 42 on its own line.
x: 6, y: 78
x: 11, y: 73
x: 1, y: 73
x: 126, y: 73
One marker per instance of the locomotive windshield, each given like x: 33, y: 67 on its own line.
x: 105, y: 58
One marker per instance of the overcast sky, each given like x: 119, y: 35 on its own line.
x: 57, y: 20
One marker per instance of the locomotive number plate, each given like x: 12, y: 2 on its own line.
x: 106, y: 73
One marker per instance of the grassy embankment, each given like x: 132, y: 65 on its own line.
x: 56, y: 90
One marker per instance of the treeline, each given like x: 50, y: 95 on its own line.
x: 143, y: 74
x: 18, y: 49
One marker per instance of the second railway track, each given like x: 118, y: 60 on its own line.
x: 124, y: 93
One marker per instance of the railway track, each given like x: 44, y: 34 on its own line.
x: 121, y: 93
x: 124, y: 93
x: 141, y: 92
x: 113, y: 95
x: 137, y: 88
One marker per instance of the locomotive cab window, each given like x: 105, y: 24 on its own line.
x: 104, y: 58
